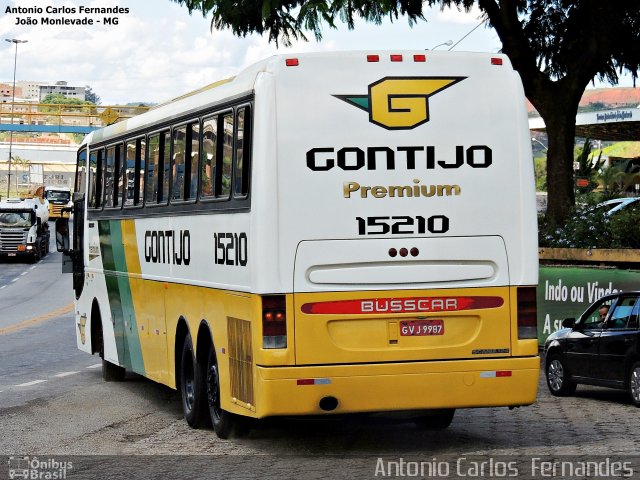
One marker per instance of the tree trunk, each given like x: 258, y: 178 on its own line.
x: 557, y: 104
x: 560, y: 177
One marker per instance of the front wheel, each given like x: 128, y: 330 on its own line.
x: 558, y: 378
x: 634, y: 384
x: 224, y: 423
x: 112, y: 372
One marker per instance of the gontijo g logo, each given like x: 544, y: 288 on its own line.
x: 400, y: 103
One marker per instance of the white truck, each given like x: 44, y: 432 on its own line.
x: 24, y: 228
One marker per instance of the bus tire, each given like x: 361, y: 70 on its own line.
x: 436, y: 421
x: 225, y: 424
x: 112, y: 372
x: 192, y: 387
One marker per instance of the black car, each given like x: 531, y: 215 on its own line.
x: 601, y: 348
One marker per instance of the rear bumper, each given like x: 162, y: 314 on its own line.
x: 395, y: 386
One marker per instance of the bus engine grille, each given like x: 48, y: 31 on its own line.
x: 240, y: 359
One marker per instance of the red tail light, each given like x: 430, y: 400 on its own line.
x: 274, y: 321
x: 496, y: 61
x: 396, y: 58
x: 527, y: 313
x: 373, y: 58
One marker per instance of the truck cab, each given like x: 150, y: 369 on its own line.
x: 59, y: 198
x: 24, y: 231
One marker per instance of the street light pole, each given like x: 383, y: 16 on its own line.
x: 13, y: 104
x: 533, y: 139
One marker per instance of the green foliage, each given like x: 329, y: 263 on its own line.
x: 59, y: 99
x: 91, y: 96
x: 540, y: 167
x: 590, y: 227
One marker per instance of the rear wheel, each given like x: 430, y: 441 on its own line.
x: 634, y: 384
x: 224, y: 423
x: 192, y: 387
x: 558, y: 377
x: 436, y: 421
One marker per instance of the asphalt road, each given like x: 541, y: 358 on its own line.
x: 53, y: 402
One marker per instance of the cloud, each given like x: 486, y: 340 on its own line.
x: 158, y: 51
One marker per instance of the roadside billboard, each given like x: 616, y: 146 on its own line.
x: 566, y: 291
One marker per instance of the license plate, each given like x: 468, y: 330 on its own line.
x: 420, y: 328
x: 21, y: 248
x: 11, y: 254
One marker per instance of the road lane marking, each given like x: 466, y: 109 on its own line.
x: 37, y: 320
x: 15, y: 280
x: 64, y: 374
x: 4, y: 286
x: 23, y: 273
x: 28, y: 384
x: 97, y: 365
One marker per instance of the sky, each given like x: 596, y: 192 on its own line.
x: 158, y: 51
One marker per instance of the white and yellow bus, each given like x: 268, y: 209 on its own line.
x: 323, y: 233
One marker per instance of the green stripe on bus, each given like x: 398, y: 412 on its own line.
x: 120, y: 299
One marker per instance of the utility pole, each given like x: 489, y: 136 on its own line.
x: 13, y: 104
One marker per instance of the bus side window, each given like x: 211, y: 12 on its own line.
x: 94, y: 179
x: 109, y: 177
x: 227, y: 155
x: 193, y: 158
x: 100, y: 178
x: 121, y: 186
x: 141, y: 146
x: 130, y: 172
x: 243, y: 152
x: 81, y: 171
x: 178, y: 163
x: 153, y: 169
x: 209, y: 157
x: 165, y: 145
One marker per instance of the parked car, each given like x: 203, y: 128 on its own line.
x: 602, y: 348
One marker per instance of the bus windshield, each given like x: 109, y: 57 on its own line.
x: 15, y: 219
x: 57, y: 196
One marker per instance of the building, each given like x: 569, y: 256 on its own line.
x: 64, y: 89
x: 6, y: 90
x: 30, y: 89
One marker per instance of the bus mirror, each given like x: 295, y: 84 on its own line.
x: 62, y: 234
x: 568, y: 322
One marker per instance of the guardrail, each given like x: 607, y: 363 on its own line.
x: 41, y: 117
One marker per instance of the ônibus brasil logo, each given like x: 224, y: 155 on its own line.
x: 400, y: 103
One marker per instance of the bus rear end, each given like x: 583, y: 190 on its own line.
x: 407, y: 244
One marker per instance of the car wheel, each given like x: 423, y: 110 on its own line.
x: 191, y: 387
x: 558, y: 378
x: 634, y: 384
x: 435, y: 421
x: 224, y: 423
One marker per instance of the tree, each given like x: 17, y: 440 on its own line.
x: 557, y: 47
x: 91, y: 96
